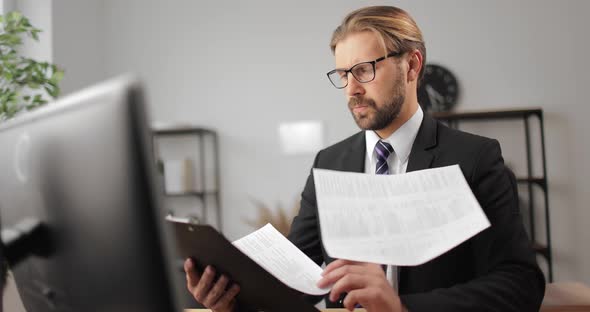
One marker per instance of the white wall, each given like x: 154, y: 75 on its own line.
x: 40, y: 16
x: 240, y: 69
x: 78, y: 42
x: 243, y: 67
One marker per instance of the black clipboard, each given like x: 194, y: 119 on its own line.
x: 259, y: 290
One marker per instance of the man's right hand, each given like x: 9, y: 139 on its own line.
x: 214, y: 295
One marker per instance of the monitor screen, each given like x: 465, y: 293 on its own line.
x: 83, y: 166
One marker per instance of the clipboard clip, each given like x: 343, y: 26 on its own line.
x: 189, y: 220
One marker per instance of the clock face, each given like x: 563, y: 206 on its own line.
x: 439, y: 90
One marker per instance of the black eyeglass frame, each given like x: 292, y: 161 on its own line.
x: 346, y: 71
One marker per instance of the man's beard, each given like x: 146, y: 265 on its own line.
x: 378, y: 118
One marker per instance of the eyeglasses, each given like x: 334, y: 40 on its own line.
x: 363, y: 72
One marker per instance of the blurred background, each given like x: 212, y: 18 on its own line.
x: 248, y: 70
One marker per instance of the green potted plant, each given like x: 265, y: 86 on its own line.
x: 24, y: 82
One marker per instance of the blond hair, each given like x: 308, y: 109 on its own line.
x: 396, y: 30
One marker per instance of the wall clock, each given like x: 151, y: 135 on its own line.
x: 439, y: 89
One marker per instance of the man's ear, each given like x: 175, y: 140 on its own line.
x: 415, y: 60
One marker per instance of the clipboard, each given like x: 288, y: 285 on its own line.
x: 259, y: 290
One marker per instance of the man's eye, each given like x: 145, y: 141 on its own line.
x: 361, y: 70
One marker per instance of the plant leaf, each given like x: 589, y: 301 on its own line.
x: 21, y: 73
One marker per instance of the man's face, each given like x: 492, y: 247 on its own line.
x: 374, y: 105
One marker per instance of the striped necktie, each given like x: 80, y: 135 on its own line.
x: 383, y: 150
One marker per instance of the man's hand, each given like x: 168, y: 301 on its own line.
x: 212, y: 294
x: 365, y: 284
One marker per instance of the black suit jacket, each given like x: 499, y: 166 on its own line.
x: 495, y: 270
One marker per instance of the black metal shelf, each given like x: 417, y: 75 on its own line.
x: 541, y: 249
x: 188, y: 130
x: 200, y: 133
x: 524, y: 114
x: 542, y: 182
x: 492, y: 114
x: 192, y: 193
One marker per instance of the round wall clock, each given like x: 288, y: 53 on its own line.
x: 439, y: 89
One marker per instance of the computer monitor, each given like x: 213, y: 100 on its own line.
x: 83, y: 166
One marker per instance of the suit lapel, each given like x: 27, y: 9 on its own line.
x: 353, y: 159
x: 421, y: 156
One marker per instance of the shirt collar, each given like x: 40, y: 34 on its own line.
x: 401, y: 140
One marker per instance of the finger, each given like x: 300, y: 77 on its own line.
x: 348, y: 283
x: 216, y: 291
x: 228, y: 298
x: 334, y: 275
x: 188, y: 265
x: 192, y: 275
x: 191, y: 283
x: 336, y: 264
x: 357, y: 297
x: 373, y: 298
x: 341, y: 262
x: 364, y: 268
x: 200, y: 292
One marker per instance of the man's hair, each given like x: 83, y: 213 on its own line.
x: 396, y: 29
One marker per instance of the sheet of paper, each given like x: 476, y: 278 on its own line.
x: 405, y: 219
x: 277, y: 255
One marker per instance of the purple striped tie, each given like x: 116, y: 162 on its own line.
x: 383, y: 150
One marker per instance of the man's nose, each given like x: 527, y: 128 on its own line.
x: 354, y: 87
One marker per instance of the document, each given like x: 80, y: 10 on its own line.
x: 277, y: 255
x: 404, y: 220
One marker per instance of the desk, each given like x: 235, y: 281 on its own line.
x: 323, y: 310
x: 559, y: 297
x: 566, y: 297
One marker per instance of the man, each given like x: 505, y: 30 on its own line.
x: 380, y: 56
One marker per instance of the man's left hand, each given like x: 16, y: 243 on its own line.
x: 365, y: 284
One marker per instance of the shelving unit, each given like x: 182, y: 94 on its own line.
x: 208, y: 197
x: 530, y: 181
